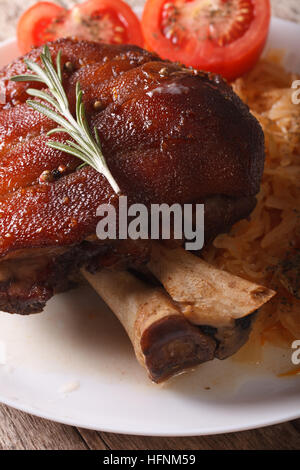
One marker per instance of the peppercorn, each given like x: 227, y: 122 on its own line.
x: 46, y: 177
x: 62, y: 168
x: 69, y: 67
x: 163, y: 72
x: 98, y: 105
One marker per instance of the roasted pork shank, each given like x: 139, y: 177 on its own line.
x: 169, y: 134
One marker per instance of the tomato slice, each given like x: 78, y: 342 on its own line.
x: 34, y: 24
x: 222, y: 36
x: 110, y: 21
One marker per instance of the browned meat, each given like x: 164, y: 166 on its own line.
x: 169, y: 134
x: 230, y: 339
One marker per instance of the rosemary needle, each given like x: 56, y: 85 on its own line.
x: 85, y: 145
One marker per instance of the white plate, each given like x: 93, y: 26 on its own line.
x: 74, y: 364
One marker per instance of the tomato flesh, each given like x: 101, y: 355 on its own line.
x: 222, y: 21
x: 34, y: 23
x: 103, y: 25
x: 42, y: 31
x: 223, y: 36
x: 109, y: 21
x: 108, y: 27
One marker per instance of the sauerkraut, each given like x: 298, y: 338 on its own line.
x: 266, y: 248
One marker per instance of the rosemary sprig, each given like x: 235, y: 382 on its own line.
x: 86, y: 146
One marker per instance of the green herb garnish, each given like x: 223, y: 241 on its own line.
x: 86, y: 146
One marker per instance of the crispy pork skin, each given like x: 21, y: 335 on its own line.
x: 169, y: 135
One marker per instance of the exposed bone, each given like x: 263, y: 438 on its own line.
x: 165, y: 343
x: 204, y: 294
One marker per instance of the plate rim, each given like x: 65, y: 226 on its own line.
x: 126, y: 431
